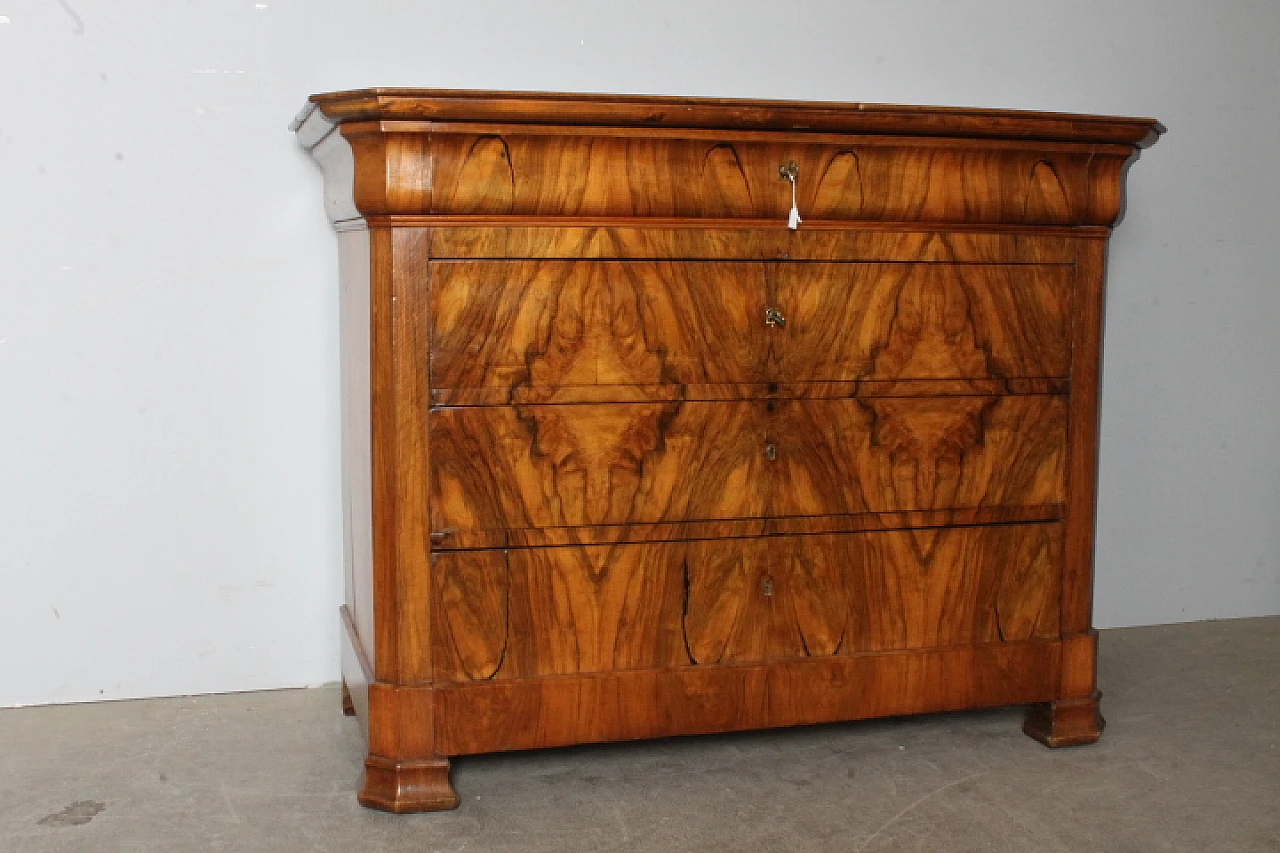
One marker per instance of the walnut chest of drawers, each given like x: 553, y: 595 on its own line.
x: 626, y: 456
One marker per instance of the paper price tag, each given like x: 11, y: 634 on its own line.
x: 790, y: 172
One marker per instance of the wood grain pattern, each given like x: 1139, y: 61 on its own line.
x: 401, y: 722
x: 659, y: 111
x: 939, y: 587
x: 553, y: 466
x: 561, y: 611
x: 379, y: 169
x: 561, y: 324
x: 919, y: 321
x: 384, y: 449
x: 473, y: 598
x: 1082, y: 432
x: 386, y: 172
x: 694, y: 240
x: 1076, y: 719
x: 399, y: 458
x: 558, y: 326
x: 589, y: 708
x: 404, y: 770
x: 513, y: 171
x: 555, y: 611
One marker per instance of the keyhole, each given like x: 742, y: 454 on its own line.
x: 766, y: 586
x: 770, y: 451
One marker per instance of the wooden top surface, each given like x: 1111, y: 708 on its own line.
x: 738, y: 114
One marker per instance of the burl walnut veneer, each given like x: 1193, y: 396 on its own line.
x: 626, y: 456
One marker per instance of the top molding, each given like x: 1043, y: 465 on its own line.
x: 590, y: 110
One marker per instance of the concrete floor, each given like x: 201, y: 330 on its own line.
x: 1190, y: 761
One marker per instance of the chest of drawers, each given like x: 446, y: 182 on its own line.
x: 626, y: 456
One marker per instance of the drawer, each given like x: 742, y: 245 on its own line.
x: 506, y: 467
x: 524, y: 326
x: 550, y: 611
x: 683, y: 173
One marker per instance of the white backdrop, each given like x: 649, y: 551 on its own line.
x: 169, y: 484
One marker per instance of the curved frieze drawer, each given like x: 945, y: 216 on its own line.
x: 471, y: 170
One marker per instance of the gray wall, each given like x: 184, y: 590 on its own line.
x: 169, y: 516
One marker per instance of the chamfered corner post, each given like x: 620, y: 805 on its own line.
x: 1073, y: 717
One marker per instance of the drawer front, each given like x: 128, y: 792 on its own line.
x: 513, y: 467
x: 548, y: 325
x: 657, y: 174
x: 553, y: 324
x: 551, y: 611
